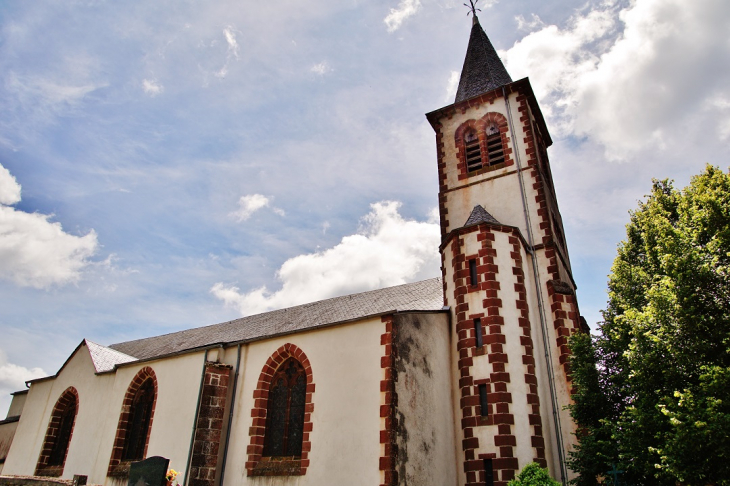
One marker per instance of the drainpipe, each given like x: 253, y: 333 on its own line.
x: 538, y: 290
x: 230, y: 414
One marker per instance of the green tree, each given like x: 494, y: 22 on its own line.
x: 533, y: 475
x: 654, y: 385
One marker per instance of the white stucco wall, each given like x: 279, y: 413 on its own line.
x: 345, y: 439
x: 100, y: 402
x: 346, y: 367
x: 16, y: 405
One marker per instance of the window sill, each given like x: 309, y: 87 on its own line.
x: 121, y: 470
x: 50, y: 471
x: 484, y: 170
x: 277, y: 466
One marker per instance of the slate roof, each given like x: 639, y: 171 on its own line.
x: 104, y: 358
x: 483, y: 69
x: 480, y: 215
x: 426, y: 295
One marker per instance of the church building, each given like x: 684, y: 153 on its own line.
x: 460, y: 380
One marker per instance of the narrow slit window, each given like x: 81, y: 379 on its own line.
x: 478, y: 332
x: 483, y: 404
x: 473, y: 271
x: 473, y: 151
x: 495, y: 152
x: 488, y: 473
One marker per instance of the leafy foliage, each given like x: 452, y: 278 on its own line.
x: 654, y: 386
x: 533, y: 475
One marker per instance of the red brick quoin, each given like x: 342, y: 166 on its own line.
x: 563, y: 304
x: 256, y: 463
x: 69, y: 398
x: 528, y: 359
x: 388, y: 404
x: 117, y: 467
x: 209, y: 424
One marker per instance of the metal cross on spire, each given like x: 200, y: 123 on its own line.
x: 473, y: 8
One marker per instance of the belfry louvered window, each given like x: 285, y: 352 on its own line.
x: 495, y: 152
x: 285, y: 411
x: 473, y: 151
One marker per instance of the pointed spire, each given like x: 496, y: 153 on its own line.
x: 483, y: 69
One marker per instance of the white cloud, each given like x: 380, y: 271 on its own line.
x: 49, y: 91
x: 152, y: 87
x: 532, y: 24
x: 322, y: 68
x: 721, y: 105
x: 230, y: 35
x: 9, y: 187
x: 629, y: 78
x: 396, y: 17
x: 252, y: 203
x: 387, y: 250
x: 33, y: 251
x: 12, y: 379
x: 452, y: 86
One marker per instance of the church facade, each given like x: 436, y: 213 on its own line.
x: 461, y: 380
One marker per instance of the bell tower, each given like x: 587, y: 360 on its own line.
x: 506, y: 273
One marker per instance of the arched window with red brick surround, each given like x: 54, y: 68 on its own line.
x: 282, y: 416
x: 481, y: 145
x: 58, y: 435
x: 135, y: 423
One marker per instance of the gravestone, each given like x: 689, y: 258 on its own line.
x: 150, y: 472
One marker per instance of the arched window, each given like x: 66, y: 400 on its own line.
x: 58, y: 435
x: 140, y: 415
x: 495, y: 152
x: 282, y: 415
x: 135, y: 423
x: 285, y: 411
x: 472, y: 150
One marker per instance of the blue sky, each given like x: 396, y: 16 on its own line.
x: 172, y: 164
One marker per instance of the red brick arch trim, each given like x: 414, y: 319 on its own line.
x: 118, y: 467
x: 69, y: 398
x: 265, y: 466
x: 480, y: 126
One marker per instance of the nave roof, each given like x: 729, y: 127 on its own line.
x: 426, y: 295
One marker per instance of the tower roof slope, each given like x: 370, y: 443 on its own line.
x: 426, y: 295
x: 480, y: 215
x: 483, y: 69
